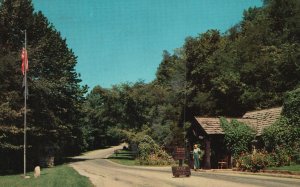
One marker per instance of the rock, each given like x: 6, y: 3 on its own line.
x: 37, y: 171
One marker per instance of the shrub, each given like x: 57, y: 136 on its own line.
x: 282, y: 139
x: 282, y: 134
x: 151, y: 154
x: 238, y: 136
x: 291, y: 107
x: 260, y: 160
x: 295, y: 157
x: 282, y: 156
x: 147, y: 147
x: 254, y: 161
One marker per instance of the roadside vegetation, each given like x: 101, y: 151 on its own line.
x: 280, y: 143
x: 51, y: 177
x: 124, y: 157
x: 294, y: 168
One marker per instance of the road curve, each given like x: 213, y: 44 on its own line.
x: 104, y: 173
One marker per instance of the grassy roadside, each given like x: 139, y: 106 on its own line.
x: 123, y: 157
x: 128, y: 158
x: 50, y: 177
x: 295, y: 169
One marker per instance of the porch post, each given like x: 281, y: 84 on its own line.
x: 207, y: 153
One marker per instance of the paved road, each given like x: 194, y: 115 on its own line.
x: 104, y: 173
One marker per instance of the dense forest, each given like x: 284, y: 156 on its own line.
x: 251, y: 66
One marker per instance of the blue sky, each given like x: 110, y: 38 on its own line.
x: 122, y: 40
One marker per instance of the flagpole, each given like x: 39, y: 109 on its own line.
x: 25, y: 105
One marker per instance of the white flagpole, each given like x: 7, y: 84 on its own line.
x: 25, y: 103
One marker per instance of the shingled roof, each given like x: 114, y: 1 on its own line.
x: 264, y: 117
x: 210, y: 125
x: 258, y: 120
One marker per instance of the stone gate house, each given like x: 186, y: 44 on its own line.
x: 208, y: 131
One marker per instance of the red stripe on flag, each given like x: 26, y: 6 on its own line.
x: 24, y: 60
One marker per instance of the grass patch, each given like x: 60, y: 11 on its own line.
x: 124, y: 157
x: 292, y: 168
x: 128, y: 158
x: 50, y: 177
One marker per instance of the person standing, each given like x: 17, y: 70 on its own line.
x: 197, y: 154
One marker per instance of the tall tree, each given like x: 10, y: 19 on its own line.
x: 55, y: 96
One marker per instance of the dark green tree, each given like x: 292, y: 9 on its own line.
x: 55, y: 96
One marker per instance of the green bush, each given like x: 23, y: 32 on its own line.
x: 282, y: 139
x: 238, y: 136
x: 282, y: 156
x: 146, y: 147
x: 257, y: 161
x: 282, y: 134
x: 291, y: 107
x: 149, y: 153
x: 254, y: 161
x: 295, y: 157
